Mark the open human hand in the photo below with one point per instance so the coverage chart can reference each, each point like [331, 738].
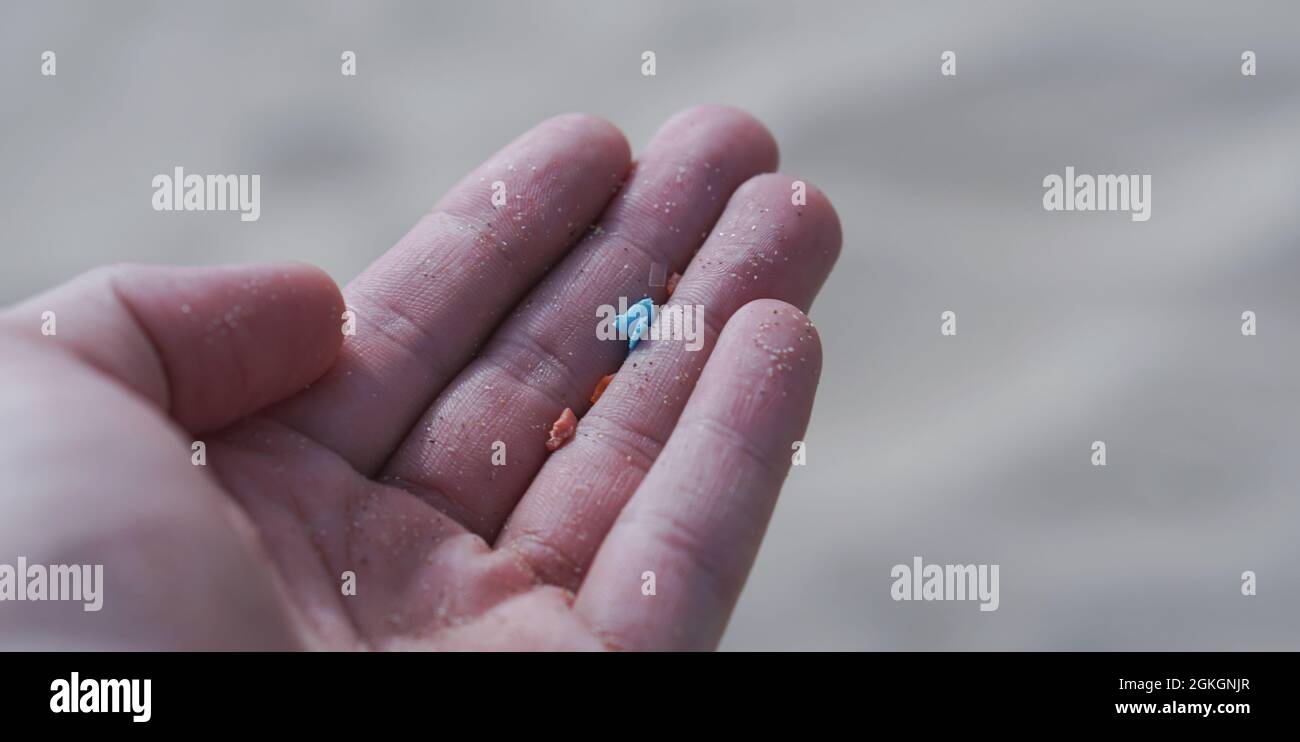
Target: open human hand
[392, 488]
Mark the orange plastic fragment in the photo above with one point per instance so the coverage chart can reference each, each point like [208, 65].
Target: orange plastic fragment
[562, 430]
[600, 387]
[671, 286]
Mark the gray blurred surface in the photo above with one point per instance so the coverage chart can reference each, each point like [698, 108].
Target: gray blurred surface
[1072, 327]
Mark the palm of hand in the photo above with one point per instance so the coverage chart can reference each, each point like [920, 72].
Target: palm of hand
[391, 489]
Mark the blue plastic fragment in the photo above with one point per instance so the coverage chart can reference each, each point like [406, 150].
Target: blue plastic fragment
[636, 322]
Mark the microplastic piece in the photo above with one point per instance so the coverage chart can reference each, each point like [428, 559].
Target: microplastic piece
[600, 387]
[636, 323]
[562, 430]
[658, 274]
[671, 286]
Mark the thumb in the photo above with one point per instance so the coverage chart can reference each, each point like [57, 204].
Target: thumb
[206, 345]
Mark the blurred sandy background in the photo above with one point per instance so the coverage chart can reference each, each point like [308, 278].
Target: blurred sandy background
[1072, 327]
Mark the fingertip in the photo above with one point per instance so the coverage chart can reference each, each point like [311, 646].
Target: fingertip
[310, 278]
[773, 339]
[597, 130]
[801, 211]
[307, 318]
[819, 205]
[236, 338]
[716, 122]
[309, 286]
[791, 320]
[557, 175]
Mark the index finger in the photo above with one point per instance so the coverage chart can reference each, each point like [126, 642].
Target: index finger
[422, 309]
